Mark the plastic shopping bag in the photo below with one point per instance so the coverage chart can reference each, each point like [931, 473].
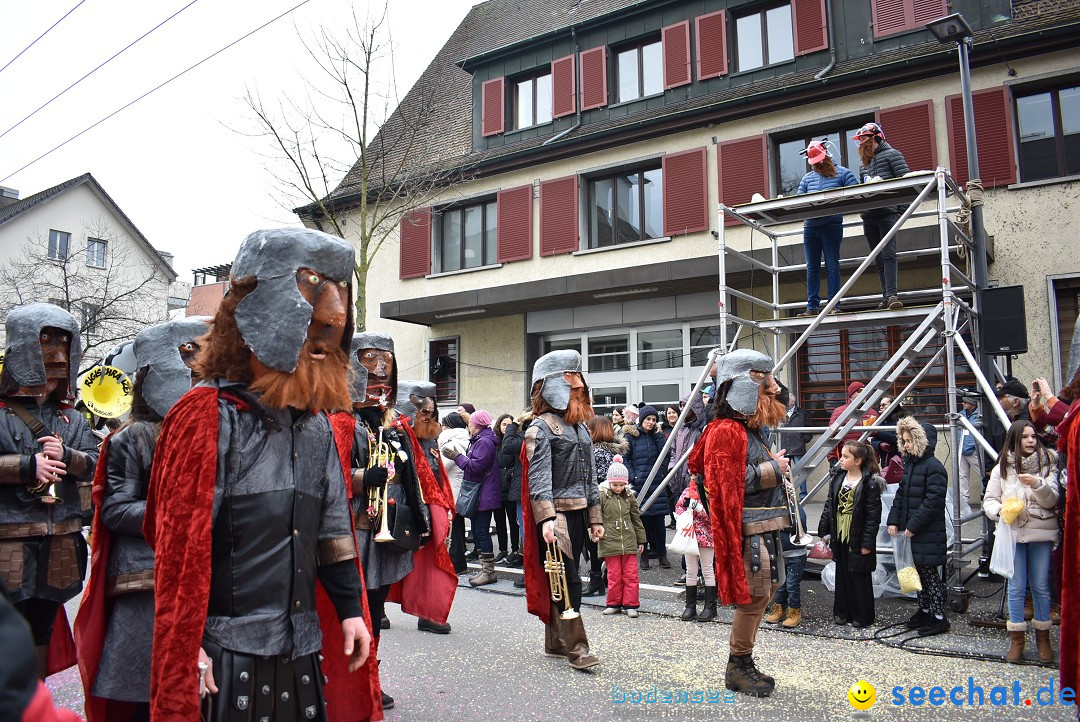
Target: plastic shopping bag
[906, 573]
[1004, 554]
[685, 539]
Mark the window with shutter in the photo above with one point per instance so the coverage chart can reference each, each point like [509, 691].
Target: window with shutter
[415, 243]
[559, 216]
[896, 16]
[711, 44]
[993, 137]
[741, 171]
[492, 107]
[515, 224]
[910, 129]
[676, 40]
[625, 206]
[594, 78]
[686, 200]
[810, 24]
[443, 369]
[564, 87]
[789, 163]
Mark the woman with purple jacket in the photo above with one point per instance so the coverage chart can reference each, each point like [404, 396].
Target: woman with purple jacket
[480, 464]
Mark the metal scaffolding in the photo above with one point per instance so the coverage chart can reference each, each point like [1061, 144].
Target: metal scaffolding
[939, 311]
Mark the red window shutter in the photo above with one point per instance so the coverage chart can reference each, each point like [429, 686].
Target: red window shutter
[415, 240]
[910, 129]
[711, 44]
[742, 171]
[559, 216]
[923, 11]
[563, 87]
[889, 16]
[993, 137]
[515, 224]
[686, 196]
[676, 43]
[492, 107]
[594, 78]
[810, 25]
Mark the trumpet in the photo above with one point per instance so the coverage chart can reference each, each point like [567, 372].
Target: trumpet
[799, 537]
[555, 567]
[379, 455]
[48, 492]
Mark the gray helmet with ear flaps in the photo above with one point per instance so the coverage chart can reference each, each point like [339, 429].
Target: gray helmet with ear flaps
[157, 350]
[736, 366]
[359, 374]
[550, 368]
[406, 390]
[274, 318]
[23, 359]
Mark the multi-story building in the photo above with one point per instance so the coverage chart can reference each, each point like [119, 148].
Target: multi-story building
[592, 141]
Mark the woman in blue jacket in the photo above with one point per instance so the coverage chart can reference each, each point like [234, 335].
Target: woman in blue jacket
[822, 234]
[646, 442]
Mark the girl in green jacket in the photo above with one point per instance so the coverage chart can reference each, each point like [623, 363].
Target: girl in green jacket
[623, 540]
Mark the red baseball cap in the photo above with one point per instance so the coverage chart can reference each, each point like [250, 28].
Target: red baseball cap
[816, 152]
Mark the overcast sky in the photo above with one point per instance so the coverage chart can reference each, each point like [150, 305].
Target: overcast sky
[171, 161]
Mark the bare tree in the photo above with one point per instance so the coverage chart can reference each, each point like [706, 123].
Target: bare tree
[112, 290]
[349, 153]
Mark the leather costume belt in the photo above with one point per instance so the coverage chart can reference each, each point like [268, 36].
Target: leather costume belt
[770, 542]
[128, 583]
[39, 528]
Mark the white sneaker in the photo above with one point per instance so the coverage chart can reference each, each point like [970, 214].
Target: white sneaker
[610, 610]
[632, 613]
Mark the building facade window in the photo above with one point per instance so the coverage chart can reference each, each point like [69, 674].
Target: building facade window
[532, 100]
[625, 207]
[1049, 129]
[789, 166]
[1066, 299]
[639, 70]
[58, 245]
[764, 37]
[465, 237]
[90, 314]
[95, 252]
[443, 371]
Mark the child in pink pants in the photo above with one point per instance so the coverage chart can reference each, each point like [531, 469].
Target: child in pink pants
[623, 540]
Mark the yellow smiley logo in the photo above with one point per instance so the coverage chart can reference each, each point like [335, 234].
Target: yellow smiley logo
[862, 695]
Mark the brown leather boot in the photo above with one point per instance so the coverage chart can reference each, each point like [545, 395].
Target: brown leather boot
[794, 616]
[487, 571]
[1042, 640]
[743, 676]
[572, 633]
[776, 613]
[553, 644]
[1017, 637]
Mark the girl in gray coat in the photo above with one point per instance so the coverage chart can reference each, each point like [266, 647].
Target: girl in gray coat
[880, 161]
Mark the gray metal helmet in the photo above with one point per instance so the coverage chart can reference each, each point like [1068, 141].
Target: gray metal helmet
[23, 359]
[736, 366]
[274, 318]
[407, 390]
[156, 349]
[549, 369]
[361, 341]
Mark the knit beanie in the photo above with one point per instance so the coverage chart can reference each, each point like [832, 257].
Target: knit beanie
[855, 386]
[647, 410]
[469, 409]
[617, 471]
[630, 415]
[480, 419]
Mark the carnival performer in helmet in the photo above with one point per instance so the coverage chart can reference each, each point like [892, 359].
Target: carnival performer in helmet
[560, 498]
[394, 526]
[748, 507]
[47, 457]
[248, 508]
[418, 414]
[115, 625]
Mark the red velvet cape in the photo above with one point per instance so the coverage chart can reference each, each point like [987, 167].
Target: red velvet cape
[1069, 644]
[92, 619]
[537, 588]
[177, 526]
[428, 590]
[720, 455]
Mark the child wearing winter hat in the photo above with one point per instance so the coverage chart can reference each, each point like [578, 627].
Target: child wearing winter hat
[623, 540]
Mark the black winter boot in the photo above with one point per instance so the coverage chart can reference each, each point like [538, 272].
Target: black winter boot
[708, 612]
[596, 587]
[743, 676]
[690, 613]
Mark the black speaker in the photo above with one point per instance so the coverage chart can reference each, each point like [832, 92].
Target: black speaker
[1003, 324]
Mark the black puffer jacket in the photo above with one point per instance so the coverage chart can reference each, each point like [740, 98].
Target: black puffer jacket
[887, 163]
[864, 521]
[510, 461]
[645, 449]
[920, 499]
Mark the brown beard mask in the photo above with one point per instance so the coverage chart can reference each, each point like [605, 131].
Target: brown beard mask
[315, 385]
[580, 409]
[866, 152]
[426, 428]
[770, 412]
